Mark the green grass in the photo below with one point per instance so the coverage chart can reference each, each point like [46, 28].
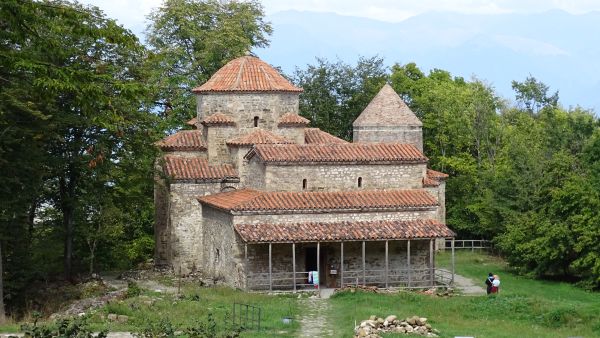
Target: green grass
[155, 310]
[524, 308]
[194, 308]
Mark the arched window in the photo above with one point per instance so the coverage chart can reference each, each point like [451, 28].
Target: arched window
[360, 182]
[304, 183]
[256, 121]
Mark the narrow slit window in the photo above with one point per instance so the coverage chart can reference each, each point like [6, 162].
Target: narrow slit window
[360, 182]
[256, 121]
[304, 184]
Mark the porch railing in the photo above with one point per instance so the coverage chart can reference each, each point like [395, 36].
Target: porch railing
[396, 278]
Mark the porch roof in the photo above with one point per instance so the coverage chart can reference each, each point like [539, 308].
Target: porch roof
[248, 200]
[342, 231]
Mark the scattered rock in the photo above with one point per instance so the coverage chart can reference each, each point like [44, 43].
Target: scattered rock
[112, 317]
[375, 326]
[122, 318]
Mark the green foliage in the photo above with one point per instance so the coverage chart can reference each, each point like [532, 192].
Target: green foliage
[190, 40]
[64, 328]
[336, 93]
[133, 289]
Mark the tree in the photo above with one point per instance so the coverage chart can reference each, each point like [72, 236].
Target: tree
[190, 40]
[534, 95]
[81, 82]
[336, 93]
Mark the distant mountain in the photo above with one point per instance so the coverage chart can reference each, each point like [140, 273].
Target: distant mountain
[558, 48]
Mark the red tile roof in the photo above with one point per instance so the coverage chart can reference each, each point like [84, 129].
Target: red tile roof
[218, 118]
[193, 122]
[337, 153]
[196, 168]
[292, 120]
[342, 231]
[436, 174]
[317, 136]
[258, 136]
[247, 74]
[253, 200]
[183, 140]
[429, 182]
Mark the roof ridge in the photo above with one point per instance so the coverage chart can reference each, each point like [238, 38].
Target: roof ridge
[238, 79]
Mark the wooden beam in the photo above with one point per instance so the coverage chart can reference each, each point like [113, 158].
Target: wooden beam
[408, 260]
[247, 265]
[452, 246]
[294, 264]
[341, 264]
[319, 267]
[270, 267]
[364, 264]
[387, 265]
[431, 262]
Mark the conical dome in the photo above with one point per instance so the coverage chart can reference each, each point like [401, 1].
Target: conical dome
[247, 74]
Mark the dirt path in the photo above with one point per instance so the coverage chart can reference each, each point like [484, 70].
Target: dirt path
[313, 317]
[467, 286]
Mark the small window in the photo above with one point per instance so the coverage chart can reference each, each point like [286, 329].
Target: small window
[360, 182]
[304, 184]
[256, 121]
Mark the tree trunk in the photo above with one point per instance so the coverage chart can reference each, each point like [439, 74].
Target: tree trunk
[67, 204]
[68, 249]
[2, 313]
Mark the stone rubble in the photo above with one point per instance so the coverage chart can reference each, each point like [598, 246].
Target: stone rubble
[375, 326]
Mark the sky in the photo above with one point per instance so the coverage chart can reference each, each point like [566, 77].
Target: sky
[131, 13]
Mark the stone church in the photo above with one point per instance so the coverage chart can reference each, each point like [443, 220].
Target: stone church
[254, 197]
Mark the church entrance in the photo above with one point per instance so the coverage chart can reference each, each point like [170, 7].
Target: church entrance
[310, 262]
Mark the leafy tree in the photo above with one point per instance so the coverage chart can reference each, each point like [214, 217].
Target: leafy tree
[190, 40]
[533, 95]
[81, 87]
[336, 93]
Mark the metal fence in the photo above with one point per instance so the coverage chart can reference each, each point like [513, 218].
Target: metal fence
[246, 316]
[472, 244]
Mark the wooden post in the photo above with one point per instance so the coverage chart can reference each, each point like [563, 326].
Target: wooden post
[270, 267]
[452, 245]
[319, 267]
[431, 262]
[408, 260]
[247, 267]
[294, 265]
[386, 264]
[364, 264]
[341, 264]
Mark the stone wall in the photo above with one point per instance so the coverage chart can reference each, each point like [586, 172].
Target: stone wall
[223, 251]
[190, 154]
[161, 217]
[258, 264]
[185, 224]
[343, 177]
[243, 107]
[292, 133]
[337, 216]
[217, 136]
[254, 174]
[400, 134]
